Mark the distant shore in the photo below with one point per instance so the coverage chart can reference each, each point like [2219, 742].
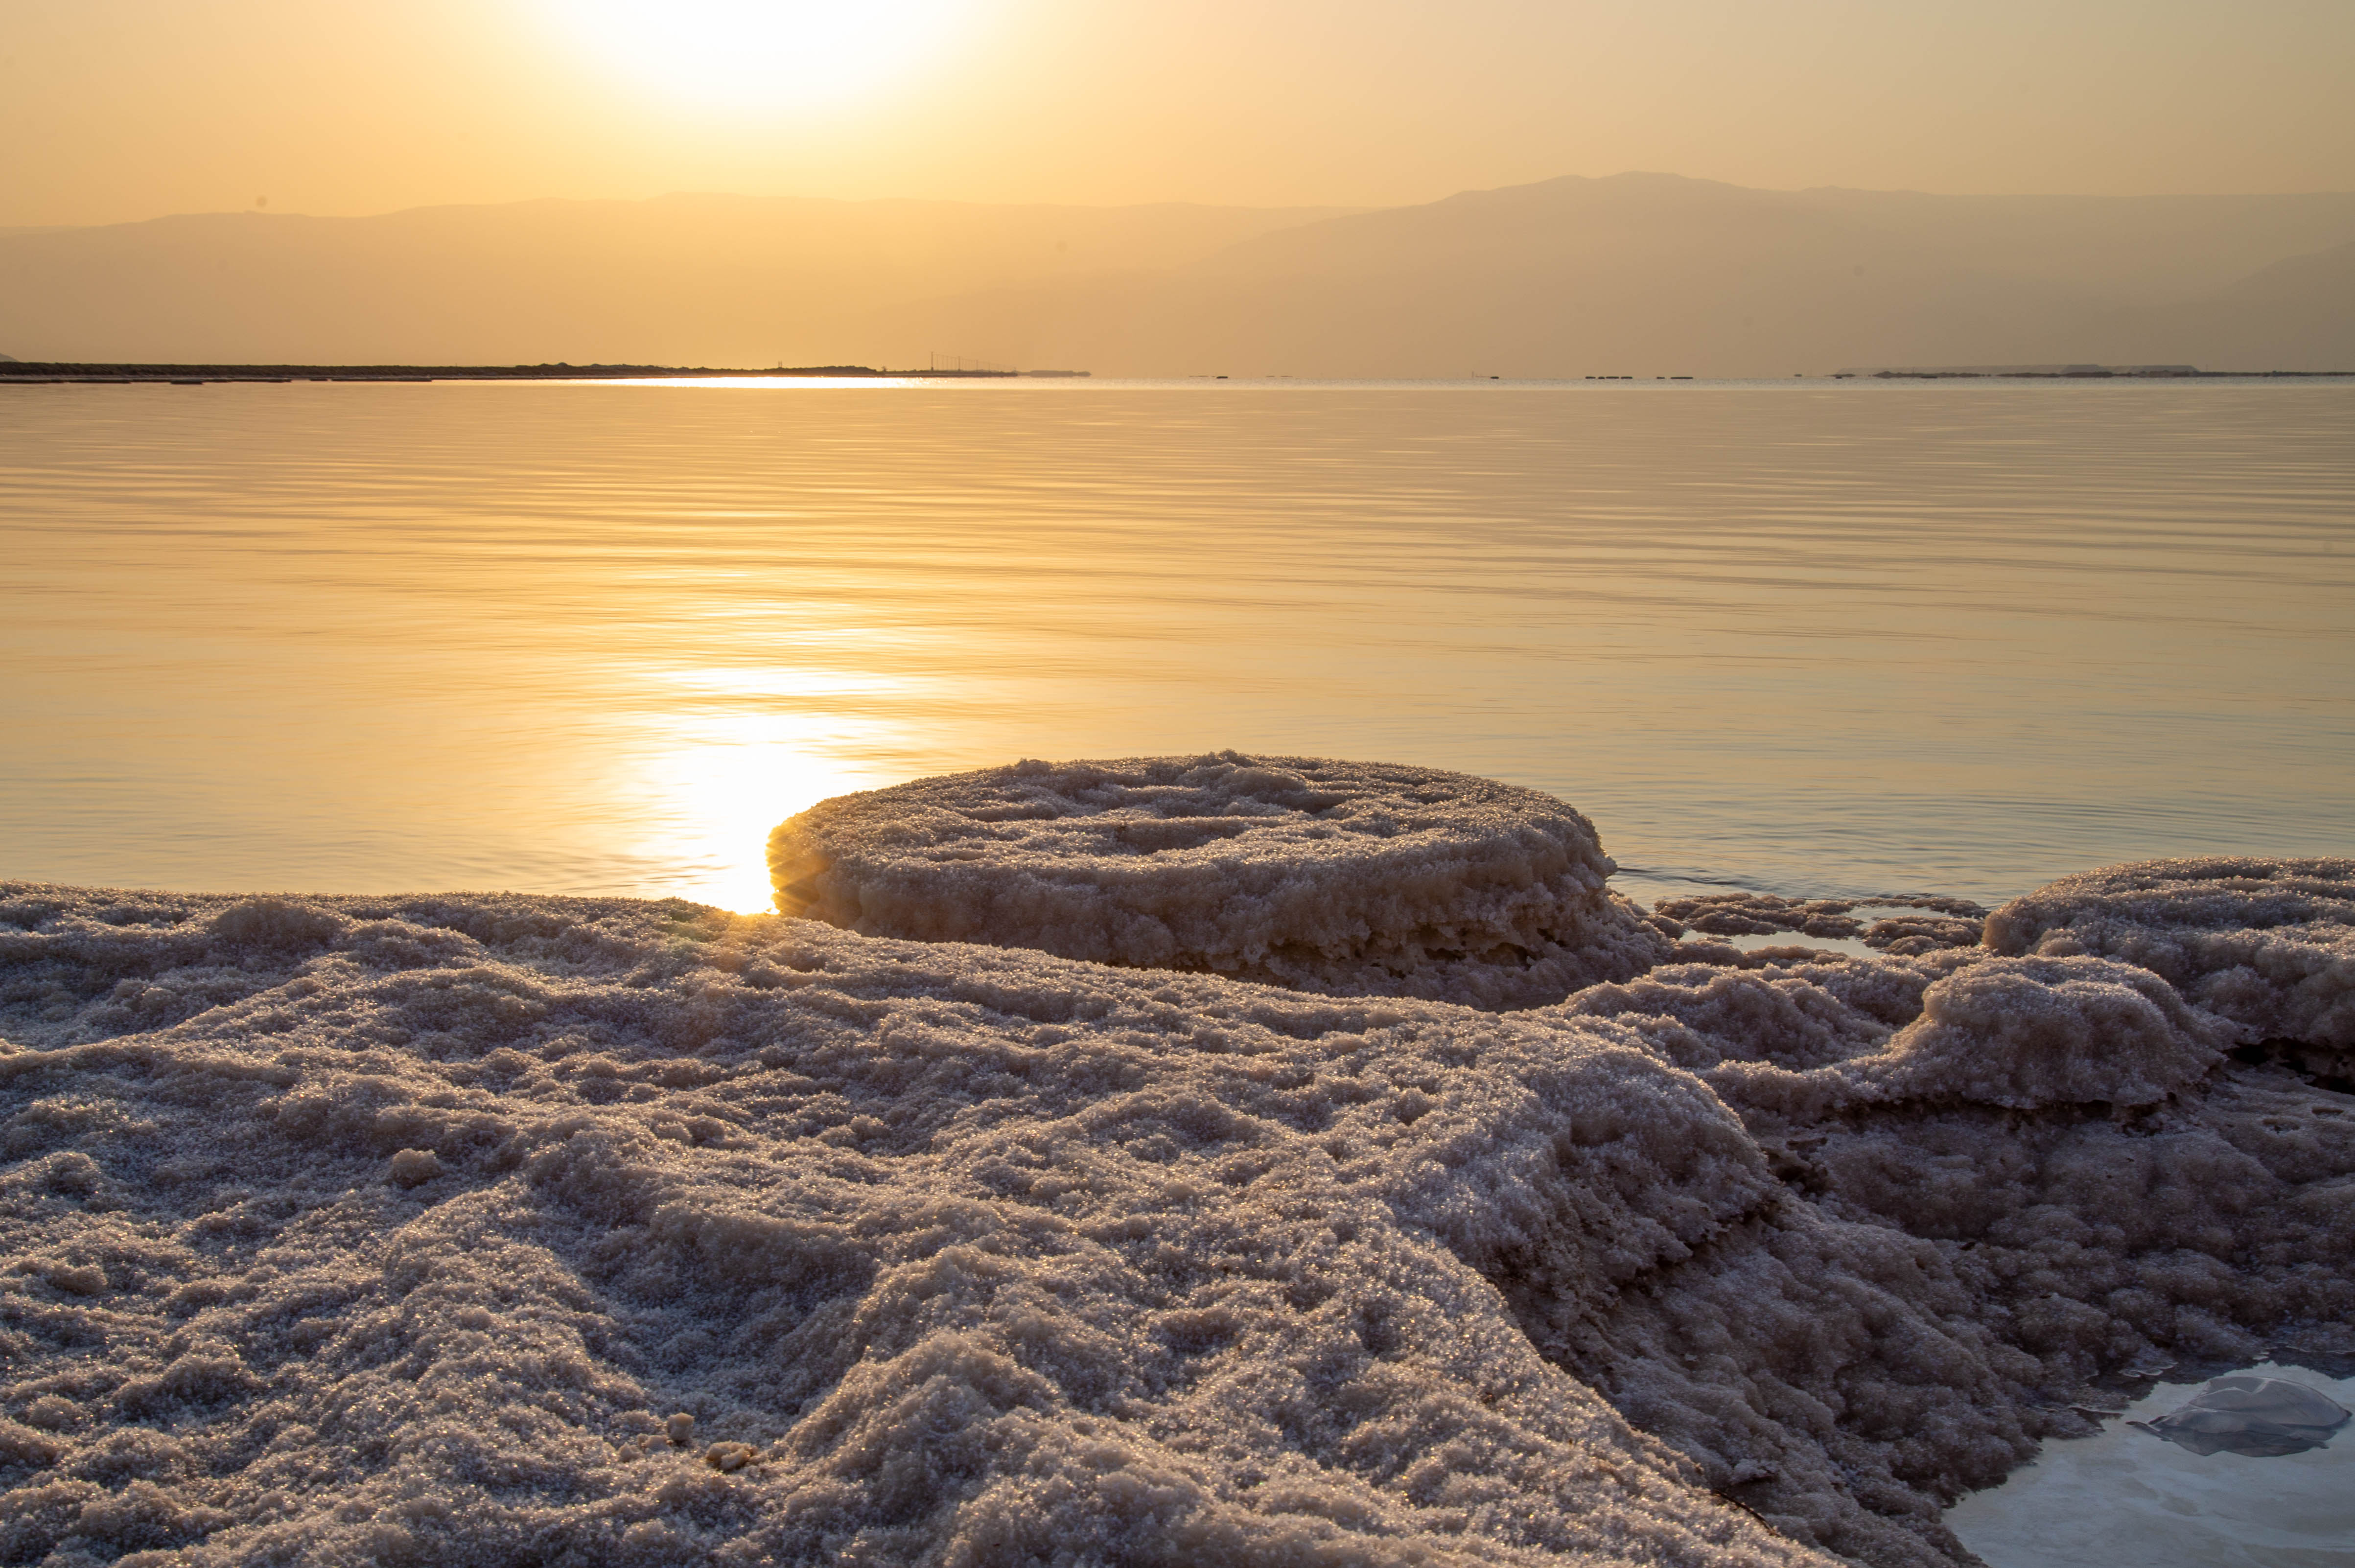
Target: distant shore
[194, 375]
[45, 374]
[2089, 373]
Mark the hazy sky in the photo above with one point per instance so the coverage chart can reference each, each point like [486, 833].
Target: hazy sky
[114, 110]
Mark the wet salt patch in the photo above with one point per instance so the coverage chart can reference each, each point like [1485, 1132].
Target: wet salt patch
[1753, 943]
[1872, 912]
[1752, 921]
[1864, 914]
[2129, 1497]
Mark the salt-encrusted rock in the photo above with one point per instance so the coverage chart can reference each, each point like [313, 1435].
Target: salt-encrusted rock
[21, 1446]
[1698, 1016]
[53, 1414]
[2262, 1417]
[2268, 944]
[2032, 1033]
[2022, 1033]
[415, 1167]
[1344, 878]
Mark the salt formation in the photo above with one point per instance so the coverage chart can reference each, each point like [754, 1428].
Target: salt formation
[482, 1230]
[2269, 944]
[2263, 1417]
[982, 1256]
[2018, 1174]
[1344, 878]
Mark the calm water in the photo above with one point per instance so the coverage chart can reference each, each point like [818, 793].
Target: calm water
[2126, 1499]
[1808, 636]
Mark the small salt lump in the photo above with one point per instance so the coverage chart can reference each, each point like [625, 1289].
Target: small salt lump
[2263, 1417]
[415, 1167]
[2030, 1033]
[1345, 878]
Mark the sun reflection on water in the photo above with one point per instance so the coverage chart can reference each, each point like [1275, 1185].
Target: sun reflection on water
[745, 749]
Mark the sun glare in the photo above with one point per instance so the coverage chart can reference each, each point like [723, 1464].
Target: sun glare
[762, 55]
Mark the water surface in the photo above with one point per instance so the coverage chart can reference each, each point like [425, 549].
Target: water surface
[2126, 1499]
[1808, 637]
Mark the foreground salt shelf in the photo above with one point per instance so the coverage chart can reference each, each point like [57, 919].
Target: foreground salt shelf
[482, 1229]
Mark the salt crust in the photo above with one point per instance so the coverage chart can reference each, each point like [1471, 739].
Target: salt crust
[1343, 878]
[2269, 944]
[491, 1230]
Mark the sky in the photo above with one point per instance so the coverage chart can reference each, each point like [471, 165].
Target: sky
[113, 111]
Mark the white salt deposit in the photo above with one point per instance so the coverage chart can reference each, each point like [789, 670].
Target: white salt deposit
[987, 1256]
[2269, 944]
[487, 1229]
[1344, 878]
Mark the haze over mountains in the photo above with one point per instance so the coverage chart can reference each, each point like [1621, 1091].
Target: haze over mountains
[1640, 274]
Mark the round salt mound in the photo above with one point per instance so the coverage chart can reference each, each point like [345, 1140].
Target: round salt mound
[1345, 878]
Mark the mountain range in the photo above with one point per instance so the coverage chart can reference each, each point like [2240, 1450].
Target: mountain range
[1635, 274]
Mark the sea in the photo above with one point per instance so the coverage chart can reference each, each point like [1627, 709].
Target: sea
[1811, 637]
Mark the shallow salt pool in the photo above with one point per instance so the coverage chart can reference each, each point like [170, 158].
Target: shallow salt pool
[2129, 1497]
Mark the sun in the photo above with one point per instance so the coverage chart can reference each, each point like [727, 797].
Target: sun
[762, 55]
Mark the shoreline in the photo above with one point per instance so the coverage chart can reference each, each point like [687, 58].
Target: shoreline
[53, 373]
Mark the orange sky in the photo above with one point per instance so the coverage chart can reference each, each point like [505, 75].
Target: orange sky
[116, 110]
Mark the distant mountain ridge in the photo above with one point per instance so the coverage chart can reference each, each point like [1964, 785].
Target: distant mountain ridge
[683, 279]
[1653, 274]
[1630, 274]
